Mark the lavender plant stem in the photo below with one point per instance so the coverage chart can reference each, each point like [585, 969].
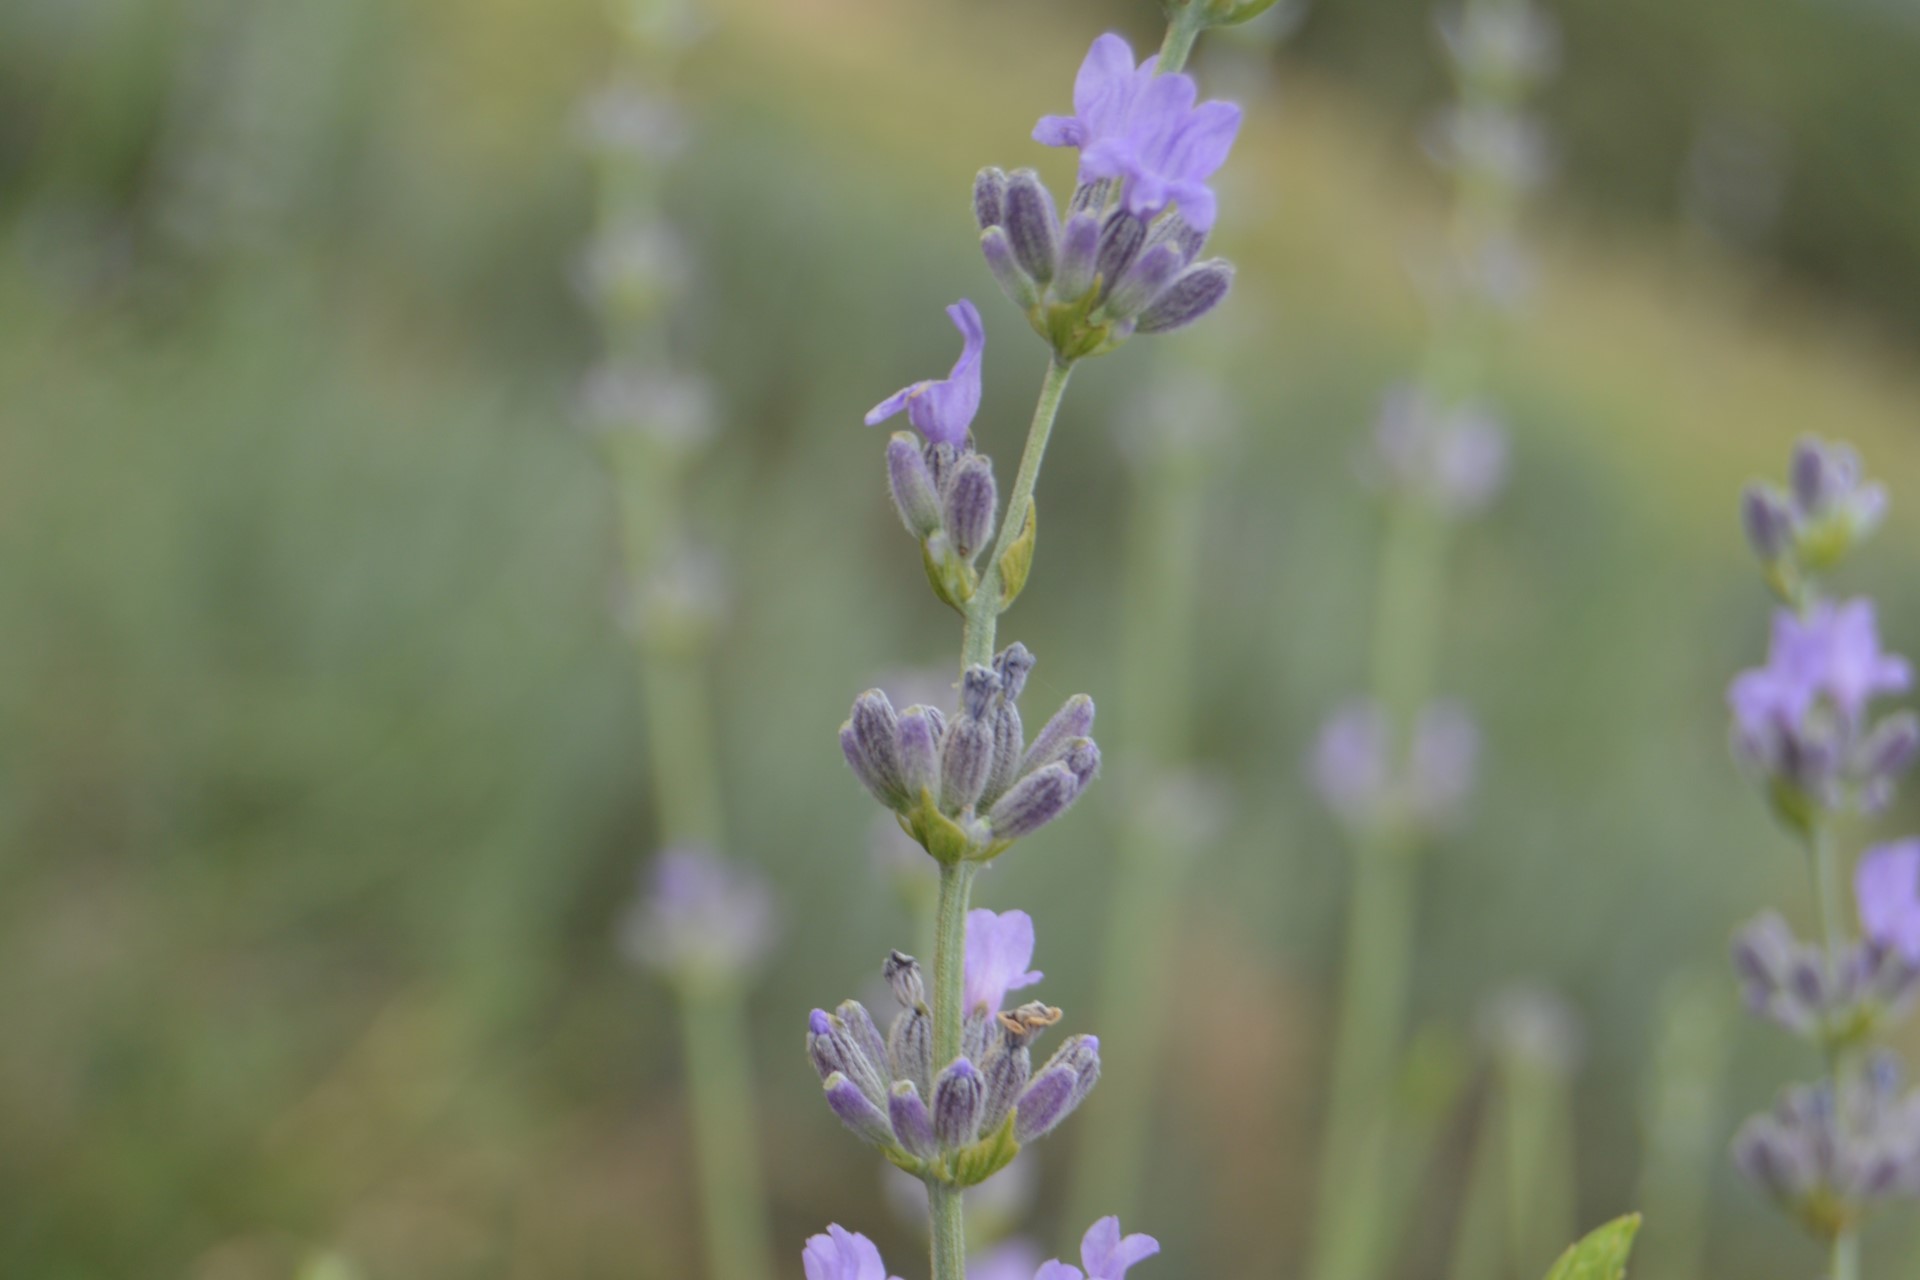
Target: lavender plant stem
[717, 1054]
[1824, 863]
[1185, 28]
[948, 1229]
[983, 610]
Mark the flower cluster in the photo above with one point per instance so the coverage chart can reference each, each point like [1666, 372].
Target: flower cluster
[699, 917]
[1369, 786]
[968, 786]
[1105, 1254]
[1833, 1149]
[966, 1121]
[1123, 260]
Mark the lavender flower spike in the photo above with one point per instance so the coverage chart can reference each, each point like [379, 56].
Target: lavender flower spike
[700, 915]
[942, 410]
[1886, 886]
[842, 1255]
[1144, 130]
[999, 949]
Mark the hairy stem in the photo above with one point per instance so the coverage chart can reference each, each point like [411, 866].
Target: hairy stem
[726, 1163]
[949, 1232]
[983, 610]
[949, 968]
[1188, 22]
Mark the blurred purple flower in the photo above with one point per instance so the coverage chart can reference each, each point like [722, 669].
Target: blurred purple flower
[700, 915]
[942, 410]
[1886, 886]
[1350, 768]
[1104, 1252]
[1445, 760]
[1457, 458]
[1012, 1260]
[1356, 775]
[842, 1255]
[1145, 130]
[1833, 653]
[999, 949]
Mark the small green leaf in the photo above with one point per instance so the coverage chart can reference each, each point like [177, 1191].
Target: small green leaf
[938, 834]
[1602, 1255]
[951, 578]
[975, 1164]
[1018, 561]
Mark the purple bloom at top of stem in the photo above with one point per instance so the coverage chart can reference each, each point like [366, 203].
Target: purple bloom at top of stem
[999, 949]
[1886, 887]
[942, 409]
[1104, 1252]
[842, 1255]
[699, 914]
[1145, 130]
[1833, 654]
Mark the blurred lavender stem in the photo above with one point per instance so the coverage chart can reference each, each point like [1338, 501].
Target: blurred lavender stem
[1682, 1126]
[1823, 864]
[1156, 653]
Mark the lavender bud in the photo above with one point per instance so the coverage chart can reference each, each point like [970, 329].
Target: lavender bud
[1083, 760]
[1034, 801]
[1012, 665]
[957, 1098]
[1890, 749]
[911, 482]
[1813, 476]
[916, 739]
[1044, 1103]
[912, 1125]
[966, 758]
[866, 1037]
[1197, 291]
[869, 740]
[910, 1048]
[1074, 720]
[1768, 520]
[990, 197]
[1142, 282]
[997, 248]
[1120, 242]
[831, 1044]
[902, 973]
[820, 1046]
[1009, 1066]
[1009, 741]
[970, 501]
[1082, 1053]
[1079, 245]
[1032, 225]
[976, 1034]
[978, 685]
[857, 1111]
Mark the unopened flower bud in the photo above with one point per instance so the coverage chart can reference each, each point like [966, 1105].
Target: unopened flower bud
[1009, 1066]
[1120, 241]
[1073, 721]
[1033, 227]
[911, 481]
[978, 685]
[1083, 760]
[1142, 282]
[910, 1047]
[966, 760]
[1820, 474]
[957, 1099]
[870, 742]
[1012, 665]
[1768, 521]
[990, 197]
[912, 1124]
[1033, 802]
[1197, 291]
[997, 248]
[1008, 746]
[857, 1111]
[971, 498]
[1044, 1103]
[1079, 246]
[917, 740]
[860, 1029]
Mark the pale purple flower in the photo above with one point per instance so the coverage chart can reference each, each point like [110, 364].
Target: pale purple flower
[1104, 1252]
[999, 949]
[943, 409]
[842, 1255]
[1886, 886]
[1145, 130]
[1356, 773]
[1833, 654]
[1012, 1260]
[699, 915]
[1456, 457]
[1350, 765]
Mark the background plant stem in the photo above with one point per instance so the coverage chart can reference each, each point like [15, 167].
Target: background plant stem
[720, 1091]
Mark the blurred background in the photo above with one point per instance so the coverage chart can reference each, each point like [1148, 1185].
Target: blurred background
[322, 770]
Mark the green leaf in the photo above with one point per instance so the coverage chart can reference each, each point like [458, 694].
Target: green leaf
[1018, 560]
[983, 1159]
[1602, 1255]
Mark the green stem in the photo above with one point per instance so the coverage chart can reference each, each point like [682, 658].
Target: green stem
[1824, 863]
[1187, 24]
[725, 1159]
[1156, 655]
[949, 969]
[1846, 1255]
[686, 785]
[983, 610]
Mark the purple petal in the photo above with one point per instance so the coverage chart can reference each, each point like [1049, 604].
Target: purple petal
[1104, 87]
[999, 949]
[1053, 1270]
[1061, 131]
[842, 1255]
[1203, 142]
[1886, 886]
[1107, 1255]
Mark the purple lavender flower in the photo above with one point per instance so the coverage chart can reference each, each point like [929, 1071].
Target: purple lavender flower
[1355, 772]
[999, 949]
[1350, 768]
[1013, 1260]
[1832, 654]
[1144, 130]
[699, 915]
[1456, 459]
[842, 1255]
[1886, 886]
[1104, 1252]
[943, 409]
